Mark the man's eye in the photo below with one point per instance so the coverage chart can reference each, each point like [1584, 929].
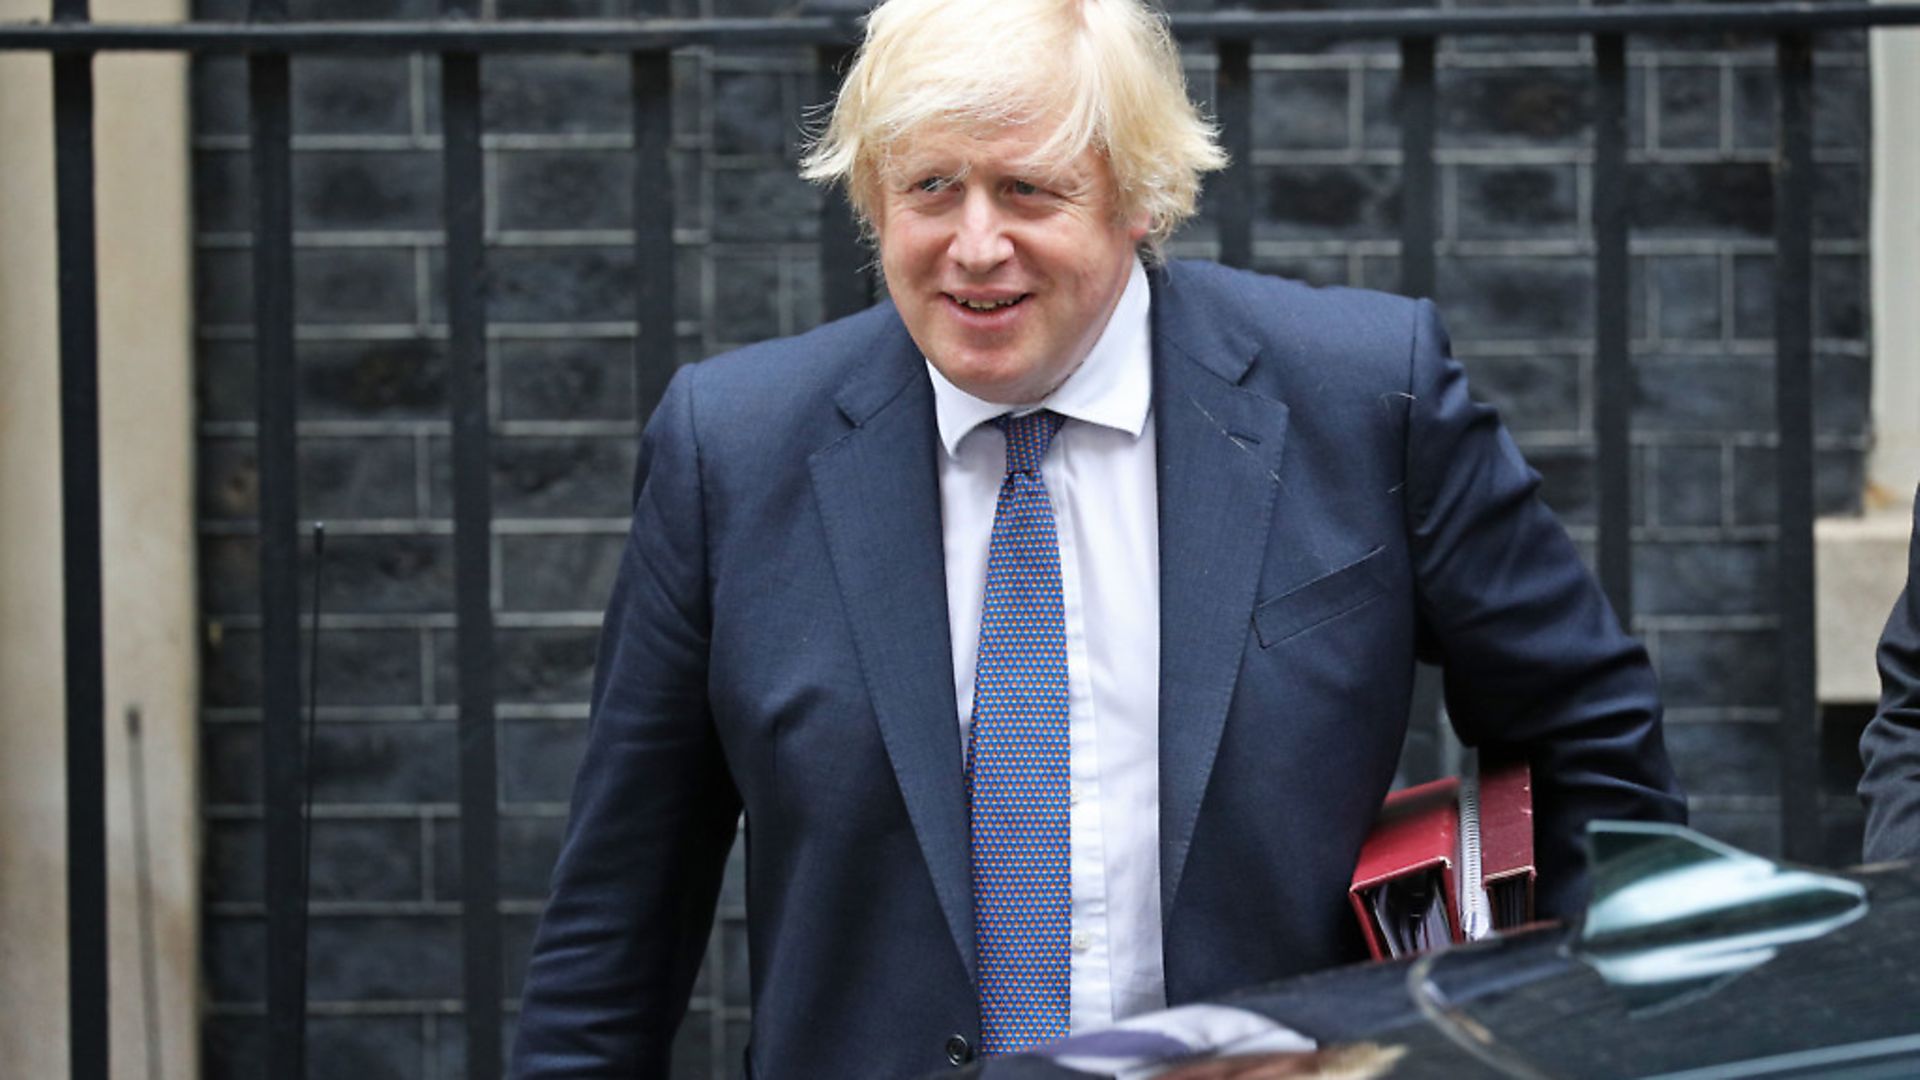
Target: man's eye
[1022, 187]
[933, 185]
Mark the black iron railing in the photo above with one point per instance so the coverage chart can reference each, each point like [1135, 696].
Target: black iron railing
[461, 42]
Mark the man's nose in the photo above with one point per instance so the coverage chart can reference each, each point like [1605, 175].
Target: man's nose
[980, 240]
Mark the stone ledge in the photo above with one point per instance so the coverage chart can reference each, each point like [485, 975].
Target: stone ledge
[1860, 565]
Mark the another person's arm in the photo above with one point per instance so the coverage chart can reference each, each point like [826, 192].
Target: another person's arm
[654, 807]
[1890, 747]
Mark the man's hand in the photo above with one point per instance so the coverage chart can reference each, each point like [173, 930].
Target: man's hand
[1360, 1061]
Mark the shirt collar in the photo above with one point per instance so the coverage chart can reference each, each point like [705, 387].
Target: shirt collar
[1112, 387]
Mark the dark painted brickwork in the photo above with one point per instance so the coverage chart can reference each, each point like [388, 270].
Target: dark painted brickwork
[1516, 279]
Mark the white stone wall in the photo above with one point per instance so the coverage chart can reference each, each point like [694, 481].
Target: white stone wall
[146, 395]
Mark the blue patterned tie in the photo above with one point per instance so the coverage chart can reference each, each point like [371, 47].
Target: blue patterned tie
[1017, 760]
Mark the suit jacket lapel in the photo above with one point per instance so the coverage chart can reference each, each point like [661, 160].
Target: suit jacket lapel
[878, 492]
[1218, 473]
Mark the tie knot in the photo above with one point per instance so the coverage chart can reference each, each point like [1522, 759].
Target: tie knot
[1028, 437]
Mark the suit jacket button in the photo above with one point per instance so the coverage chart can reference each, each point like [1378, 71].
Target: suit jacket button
[959, 1051]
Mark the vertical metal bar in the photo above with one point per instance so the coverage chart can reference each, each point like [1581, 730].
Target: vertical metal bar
[1612, 368]
[80, 550]
[653, 252]
[473, 555]
[1234, 192]
[282, 747]
[1418, 217]
[1418, 210]
[846, 278]
[1793, 401]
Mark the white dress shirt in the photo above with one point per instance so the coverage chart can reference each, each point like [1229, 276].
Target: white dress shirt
[1099, 473]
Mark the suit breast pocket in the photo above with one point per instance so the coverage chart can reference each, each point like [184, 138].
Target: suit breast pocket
[1326, 597]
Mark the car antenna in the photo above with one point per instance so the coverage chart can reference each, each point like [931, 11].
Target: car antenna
[306, 778]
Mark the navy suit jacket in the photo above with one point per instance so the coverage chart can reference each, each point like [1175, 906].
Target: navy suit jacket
[1890, 747]
[1332, 505]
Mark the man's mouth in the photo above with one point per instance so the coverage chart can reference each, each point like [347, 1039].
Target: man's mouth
[982, 304]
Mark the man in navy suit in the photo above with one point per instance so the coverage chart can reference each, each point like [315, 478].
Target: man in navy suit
[1053, 623]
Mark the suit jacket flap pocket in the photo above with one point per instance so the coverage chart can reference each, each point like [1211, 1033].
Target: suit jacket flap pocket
[1325, 597]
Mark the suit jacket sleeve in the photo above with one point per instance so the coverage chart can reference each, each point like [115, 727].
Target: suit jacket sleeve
[1535, 659]
[654, 808]
[1890, 747]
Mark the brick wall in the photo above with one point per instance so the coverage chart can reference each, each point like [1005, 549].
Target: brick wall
[1516, 280]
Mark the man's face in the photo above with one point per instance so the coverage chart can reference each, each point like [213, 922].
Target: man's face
[1004, 271]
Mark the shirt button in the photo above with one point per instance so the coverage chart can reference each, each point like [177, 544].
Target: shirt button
[1080, 941]
[1073, 796]
[959, 1051]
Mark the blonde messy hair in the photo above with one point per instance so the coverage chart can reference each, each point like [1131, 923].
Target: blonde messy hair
[1105, 73]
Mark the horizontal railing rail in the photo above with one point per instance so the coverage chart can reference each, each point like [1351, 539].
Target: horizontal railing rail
[463, 43]
[629, 35]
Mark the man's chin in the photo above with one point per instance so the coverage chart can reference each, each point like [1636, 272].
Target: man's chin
[1001, 380]
[1012, 395]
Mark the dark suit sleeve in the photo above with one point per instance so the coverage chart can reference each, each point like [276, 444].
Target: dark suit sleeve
[654, 807]
[1534, 657]
[1890, 747]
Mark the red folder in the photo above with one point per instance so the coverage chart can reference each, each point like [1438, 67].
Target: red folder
[1506, 842]
[1440, 868]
